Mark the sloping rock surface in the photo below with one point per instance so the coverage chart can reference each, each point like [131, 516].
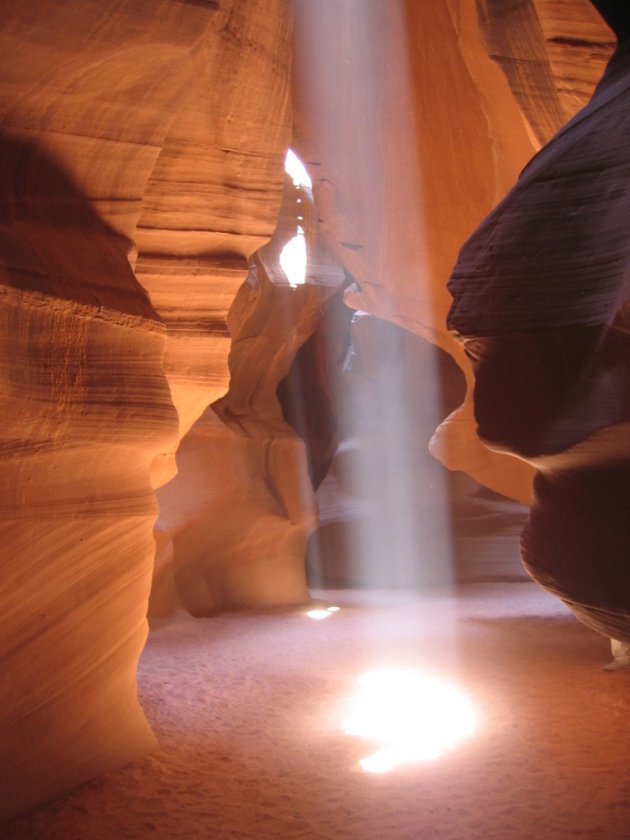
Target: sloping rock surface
[541, 295]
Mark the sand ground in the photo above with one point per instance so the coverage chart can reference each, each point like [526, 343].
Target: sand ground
[248, 710]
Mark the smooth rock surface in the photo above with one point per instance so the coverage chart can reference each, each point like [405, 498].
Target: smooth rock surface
[541, 303]
[133, 135]
[234, 522]
[442, 135]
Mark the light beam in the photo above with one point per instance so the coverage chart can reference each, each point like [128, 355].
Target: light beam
[293, 259]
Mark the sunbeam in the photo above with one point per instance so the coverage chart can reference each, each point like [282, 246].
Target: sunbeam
[396, 522]
[293, 259]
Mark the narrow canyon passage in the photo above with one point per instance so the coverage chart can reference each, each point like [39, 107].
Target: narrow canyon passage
[249, 707]
[220, 372]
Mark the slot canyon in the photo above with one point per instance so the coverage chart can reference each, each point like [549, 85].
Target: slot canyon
[315, 441]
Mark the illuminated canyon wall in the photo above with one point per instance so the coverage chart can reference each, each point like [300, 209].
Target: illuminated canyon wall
[234, 523]
[442, 114]
[142, 150]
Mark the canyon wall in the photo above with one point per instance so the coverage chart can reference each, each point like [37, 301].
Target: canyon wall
[541, 295]
[234, 523]
[442, 114]
[142, 149]
[146, 136]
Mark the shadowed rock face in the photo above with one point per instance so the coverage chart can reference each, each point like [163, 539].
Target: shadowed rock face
[390, 515]
[141, 149]
[540, 299]
[617, 15]
[85, 407]
[313, 393]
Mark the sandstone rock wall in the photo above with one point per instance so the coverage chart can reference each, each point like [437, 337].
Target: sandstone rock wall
[135, 134]
[540, 299]
[234, 523]
[213, 196]
[441, 134]
[390, 515]
[142, 148]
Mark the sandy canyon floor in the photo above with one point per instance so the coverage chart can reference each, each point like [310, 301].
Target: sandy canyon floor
[248, 709]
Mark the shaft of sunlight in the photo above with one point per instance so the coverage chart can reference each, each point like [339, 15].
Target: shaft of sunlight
[293, 259]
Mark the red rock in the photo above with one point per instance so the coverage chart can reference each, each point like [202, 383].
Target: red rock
[541, 296]
[142, 149]
[242, 506]
[146, 136]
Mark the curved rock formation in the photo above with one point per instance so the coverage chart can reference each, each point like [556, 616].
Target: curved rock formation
[313, 393]
[213, 195]
[142, 146]
[541, 294]
[136, 134]
[389, 513]
[384, 515]
[235, 521]
[441, 138]
[86, 407]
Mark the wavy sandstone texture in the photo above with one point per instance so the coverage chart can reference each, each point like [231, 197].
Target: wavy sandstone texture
[234, 523]
[441, 134]
[541, 300]
[142, 148]
[137, 134]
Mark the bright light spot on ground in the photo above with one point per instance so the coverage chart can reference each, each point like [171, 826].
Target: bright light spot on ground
[293, 259]
[411, 717]
[294, 167]
[318, 614]
[322, 612]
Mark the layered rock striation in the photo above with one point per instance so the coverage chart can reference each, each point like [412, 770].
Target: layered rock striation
[441, 134]
[142, 148]
[86, 407]
[234, 523]
[540, 299]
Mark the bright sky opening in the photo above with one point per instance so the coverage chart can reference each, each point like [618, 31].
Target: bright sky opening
[294, 167]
